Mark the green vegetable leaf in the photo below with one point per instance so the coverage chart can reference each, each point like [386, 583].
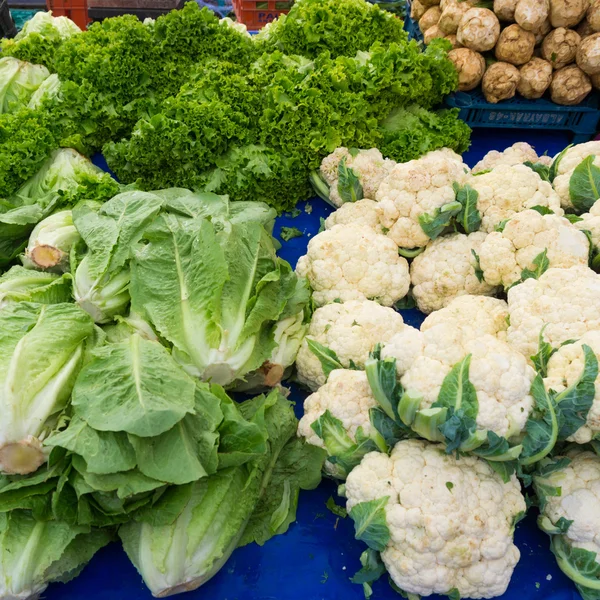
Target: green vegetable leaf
[540, 266]
[584, 185]
[372, 569]
[327, 357]
[541, 169]
[574, 403]
[406, 303]
[289, 233]
[543, 210]
[500, 227]
[573, 218]
[469, 217]
[337, 510]
[477, 267]
[370, 524]
[134, 386]
[578, 564]
[349, 186]
[383, 380]
[543, 356]
[556, 163]
[433, 224]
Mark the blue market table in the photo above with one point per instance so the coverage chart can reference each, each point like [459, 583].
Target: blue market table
[316, 557]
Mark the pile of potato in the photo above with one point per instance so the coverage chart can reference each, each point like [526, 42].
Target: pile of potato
[525, 46]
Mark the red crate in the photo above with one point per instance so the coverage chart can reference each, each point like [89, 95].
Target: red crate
[255, 14]
[76, 10]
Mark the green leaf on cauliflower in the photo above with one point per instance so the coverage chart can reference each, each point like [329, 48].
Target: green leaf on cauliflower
[327, 357]
[469, 217]
[553, 172]
[372, 569]
[584, 185]
[349, 187]
[477, 267]
[370, 524]
[433, 224]
[540, 266]
[544, 354]
[540, 168]
[579, 565]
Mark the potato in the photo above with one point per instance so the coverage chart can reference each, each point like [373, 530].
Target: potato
[500, 82]
[429, 18]
[432, 33]
[531, 14]
[536, 76]
[470, 66]
[478, 29]
[570, 85]
[588, 54]
[451, 16]
[567, 13]
[452, 39]
[584, 29]
[515, 45]
[505, 10]
[560, 47]
[593, 15]
[417, 10]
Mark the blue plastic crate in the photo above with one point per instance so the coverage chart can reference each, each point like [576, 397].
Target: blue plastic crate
[581, 120]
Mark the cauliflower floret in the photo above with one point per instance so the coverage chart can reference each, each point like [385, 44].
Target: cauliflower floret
[565, 303]
[516, 154]
[364, 212]
[451, 520]
[446, 269]
[501, 377]
[352, 262]
[570, 160]
[591, 222]
[405, 347]
[504, 255]
[347, 396]
[351, 330]
[578, 501]
[415, 188]
[369, 166]
[565, 368]
[507, 190]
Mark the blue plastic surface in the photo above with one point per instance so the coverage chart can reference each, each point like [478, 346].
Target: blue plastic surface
[316, 557]
[581, 119]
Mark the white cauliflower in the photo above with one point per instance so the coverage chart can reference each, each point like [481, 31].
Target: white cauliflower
[364, 212]
[447, 269]
[565, 368]
[466, 318]
[507, 190]
[352, 262]
[567, 164]
[516, 154]
[571, 492]
[501, 377]
[348, 397]
[351, 330]
[591, 222]
[504, 255]
[565, 303]
[415, 188]
[450, 520]
[368, 165]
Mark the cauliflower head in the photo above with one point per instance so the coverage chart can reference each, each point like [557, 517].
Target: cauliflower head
[504, 255]
[590, 221]
[451, 521]
[567, 164]
[578, 501]
[565, 303]
[516, 154]
[507, 190]
[352, 262]
[446, 269]
[501, 377]
[347, 396]
[417, 187]
[368, 165]
[564, 369]
[364, 212]
[351, 330]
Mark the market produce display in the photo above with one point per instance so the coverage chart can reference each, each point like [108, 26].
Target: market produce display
[438, 432]
[529, 47]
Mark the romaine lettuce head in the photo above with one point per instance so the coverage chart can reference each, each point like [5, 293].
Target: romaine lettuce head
[35, 553]
[235, 506]
[19, 284]
[18, 81]
[41, 352]
[220, 304]
[50, 243]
